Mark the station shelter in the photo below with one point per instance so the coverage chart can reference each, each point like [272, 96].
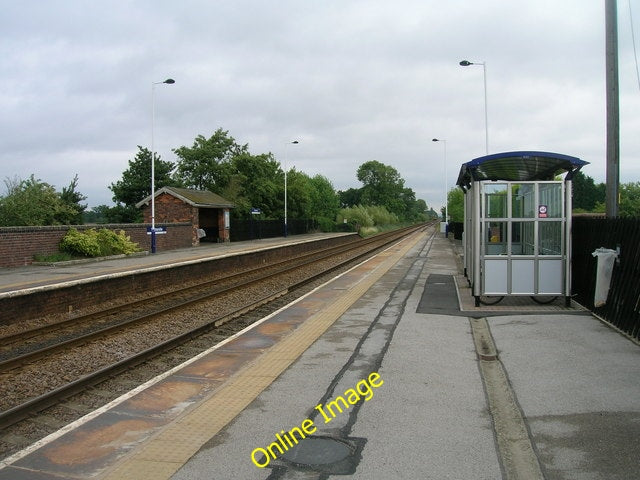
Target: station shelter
[517, 225]
[205, 210]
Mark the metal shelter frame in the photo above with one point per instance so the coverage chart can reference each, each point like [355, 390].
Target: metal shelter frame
[517, 232]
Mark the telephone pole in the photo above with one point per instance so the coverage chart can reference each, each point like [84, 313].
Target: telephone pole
[613, 109]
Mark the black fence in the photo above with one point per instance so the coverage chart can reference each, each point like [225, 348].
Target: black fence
[622, 308]
[257, 229]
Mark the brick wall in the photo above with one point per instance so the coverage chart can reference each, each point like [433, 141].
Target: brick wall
[170, 209]
[18, 245]
[78, 296]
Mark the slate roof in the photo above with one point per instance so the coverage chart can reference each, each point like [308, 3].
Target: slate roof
[196, 198]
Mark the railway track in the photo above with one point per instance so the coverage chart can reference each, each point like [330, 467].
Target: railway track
[239, 292]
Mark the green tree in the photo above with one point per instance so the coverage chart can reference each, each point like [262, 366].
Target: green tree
[255, 181]
[349, 197]
[586, 194]
[206, 165]
[382, 185]
[136, 179]
[299, 196]
[71, 197]
[135, 185]
[99, 214]
[455, 204]
[324, 202]
[33, 202]
[629, 200]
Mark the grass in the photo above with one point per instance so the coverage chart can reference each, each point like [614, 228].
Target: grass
[54, 257]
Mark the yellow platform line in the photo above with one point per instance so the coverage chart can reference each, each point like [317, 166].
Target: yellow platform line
[166, 452]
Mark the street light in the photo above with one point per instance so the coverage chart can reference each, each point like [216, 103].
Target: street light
[294, 142]
[446, 206]
[467, 63]
[168, 81]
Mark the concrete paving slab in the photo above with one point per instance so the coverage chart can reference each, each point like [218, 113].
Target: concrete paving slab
[576, 381]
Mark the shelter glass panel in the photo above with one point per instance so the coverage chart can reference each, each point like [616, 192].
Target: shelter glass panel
[523, 200]
[495, 200]
[496, 243]
[550, 200]
[523, 238]
[550, 238]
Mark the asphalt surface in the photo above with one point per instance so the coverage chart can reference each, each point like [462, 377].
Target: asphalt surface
[409, 382]
[559, 398]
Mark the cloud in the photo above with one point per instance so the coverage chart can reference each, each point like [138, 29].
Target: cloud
[352, 80]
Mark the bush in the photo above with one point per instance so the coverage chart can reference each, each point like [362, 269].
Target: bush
[381, 216]
[367, 216]
[326, 224]
[97, 243]
[357, 216]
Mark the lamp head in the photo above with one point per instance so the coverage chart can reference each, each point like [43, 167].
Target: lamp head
[465, 63]
[169, 81]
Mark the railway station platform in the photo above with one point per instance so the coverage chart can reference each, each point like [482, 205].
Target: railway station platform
[384, 372]
[55, 274]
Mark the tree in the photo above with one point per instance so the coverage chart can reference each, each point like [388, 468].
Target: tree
[136, 179]
[255, 181]
[33, 202]
[455, 204]
[99, 214]
[299, 196]
[629, 200]
[349, 197]
[207, 164]
[585, 193]
[71, 197]
[324, 200]
[135, 185]
[382, 185]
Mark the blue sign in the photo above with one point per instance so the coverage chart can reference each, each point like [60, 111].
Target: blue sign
[255, 211]
[157, 230]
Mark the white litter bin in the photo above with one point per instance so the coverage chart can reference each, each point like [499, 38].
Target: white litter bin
[606, 258]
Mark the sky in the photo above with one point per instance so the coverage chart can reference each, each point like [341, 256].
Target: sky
[350, 80]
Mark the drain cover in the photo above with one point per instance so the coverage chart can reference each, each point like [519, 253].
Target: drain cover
[323, 454]
[318, 451]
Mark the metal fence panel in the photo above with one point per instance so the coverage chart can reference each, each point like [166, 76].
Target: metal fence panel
[242, 230]
[623, 303]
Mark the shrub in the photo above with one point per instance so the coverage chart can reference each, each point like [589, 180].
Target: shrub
[326, 224]
[367, 216]
[381, 216]
[112, 243]
[357, 216]
[368, 231]
[93, 243]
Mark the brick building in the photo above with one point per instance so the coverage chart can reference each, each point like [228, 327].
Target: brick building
[206, 211]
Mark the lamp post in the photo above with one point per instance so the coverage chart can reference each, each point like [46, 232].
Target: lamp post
[467, 63]
[168, 81]
[294, 142]
[446, 202]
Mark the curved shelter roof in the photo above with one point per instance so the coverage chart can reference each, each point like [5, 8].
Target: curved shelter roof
[517, 166]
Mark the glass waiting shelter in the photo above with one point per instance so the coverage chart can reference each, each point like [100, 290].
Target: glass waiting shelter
[517, 229]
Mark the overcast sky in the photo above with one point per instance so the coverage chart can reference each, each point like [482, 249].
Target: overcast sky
[353, 81]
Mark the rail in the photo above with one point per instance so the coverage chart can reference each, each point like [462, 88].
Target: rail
[19, 412]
